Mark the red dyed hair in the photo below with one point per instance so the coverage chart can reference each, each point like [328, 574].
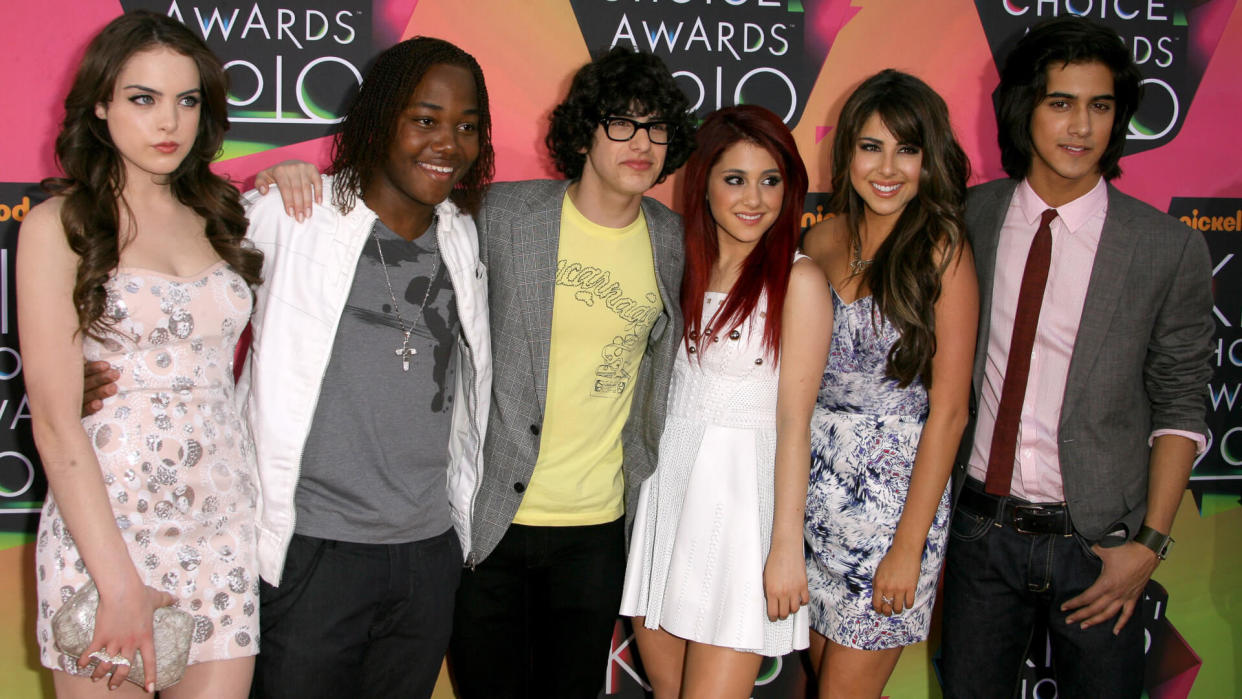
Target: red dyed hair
[767, 267]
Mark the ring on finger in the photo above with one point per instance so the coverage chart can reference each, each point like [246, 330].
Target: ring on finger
[104, 657]
[886, 600]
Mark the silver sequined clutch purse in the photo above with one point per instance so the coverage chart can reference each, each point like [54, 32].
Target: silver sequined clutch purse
[73, 625]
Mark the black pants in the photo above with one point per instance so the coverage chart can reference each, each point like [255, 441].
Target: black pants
[357, 620]
[535, 619]
[998, 581]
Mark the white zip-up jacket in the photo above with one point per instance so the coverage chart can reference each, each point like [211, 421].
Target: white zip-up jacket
[308, 269]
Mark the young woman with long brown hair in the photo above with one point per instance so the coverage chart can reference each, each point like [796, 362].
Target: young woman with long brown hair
[894, 398]
[138, 259]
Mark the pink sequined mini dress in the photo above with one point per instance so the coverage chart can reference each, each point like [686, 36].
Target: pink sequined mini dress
[177, 460]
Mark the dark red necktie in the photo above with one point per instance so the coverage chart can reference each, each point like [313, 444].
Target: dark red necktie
[1013, 392]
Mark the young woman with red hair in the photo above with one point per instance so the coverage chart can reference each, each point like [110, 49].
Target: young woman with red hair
[716, 578]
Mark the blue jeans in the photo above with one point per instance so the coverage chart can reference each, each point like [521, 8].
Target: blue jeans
[998, 582]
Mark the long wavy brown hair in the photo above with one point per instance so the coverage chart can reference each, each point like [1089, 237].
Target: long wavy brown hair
[94, 174]
[904, 277]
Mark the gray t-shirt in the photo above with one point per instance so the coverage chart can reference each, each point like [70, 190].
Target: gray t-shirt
[374, 464]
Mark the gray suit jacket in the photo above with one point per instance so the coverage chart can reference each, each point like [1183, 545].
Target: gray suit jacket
[519, 232]
[1140, 361]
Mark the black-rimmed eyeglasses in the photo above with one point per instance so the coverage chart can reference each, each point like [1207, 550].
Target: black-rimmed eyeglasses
[620, 128]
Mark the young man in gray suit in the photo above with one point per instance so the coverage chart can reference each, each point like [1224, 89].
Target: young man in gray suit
[584, 277]
[1092, 359]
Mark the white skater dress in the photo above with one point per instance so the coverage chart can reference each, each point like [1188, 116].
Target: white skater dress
[704, 520]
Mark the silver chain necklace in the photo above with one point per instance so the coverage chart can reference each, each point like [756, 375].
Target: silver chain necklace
[405, 351]
[858, 264]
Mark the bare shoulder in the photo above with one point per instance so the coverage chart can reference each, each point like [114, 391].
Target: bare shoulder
[42, 233]
[808, 287]
[825, 238]
[806, 274]
[827, 244]
[806, 319]
[963, 259]
[46, 265]
[44, 216]
[959, 286]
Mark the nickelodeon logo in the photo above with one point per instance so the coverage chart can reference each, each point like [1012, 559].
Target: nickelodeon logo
[16, 211]
[1211, 223]
[810, 218]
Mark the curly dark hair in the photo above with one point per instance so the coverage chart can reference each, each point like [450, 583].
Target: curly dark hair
[94, 173]
[904, 277]
[361, 146]
[621, 82]
[1024, 82]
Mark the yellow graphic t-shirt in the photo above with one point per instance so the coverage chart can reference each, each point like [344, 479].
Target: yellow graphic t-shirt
[605, 303]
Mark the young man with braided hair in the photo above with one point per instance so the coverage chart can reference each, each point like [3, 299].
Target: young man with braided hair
[583, 285]
[370, 345]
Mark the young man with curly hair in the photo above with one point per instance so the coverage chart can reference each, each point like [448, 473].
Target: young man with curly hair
[1094, 339]
[584, 277]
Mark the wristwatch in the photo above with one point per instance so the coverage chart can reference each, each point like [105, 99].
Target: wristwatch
[1154, 540]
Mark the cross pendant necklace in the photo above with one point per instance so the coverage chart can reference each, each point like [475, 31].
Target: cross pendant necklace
[404, 352]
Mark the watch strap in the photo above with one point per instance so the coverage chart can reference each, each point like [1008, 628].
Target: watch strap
[1154, 540]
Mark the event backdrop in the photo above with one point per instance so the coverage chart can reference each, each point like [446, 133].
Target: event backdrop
[293, 64]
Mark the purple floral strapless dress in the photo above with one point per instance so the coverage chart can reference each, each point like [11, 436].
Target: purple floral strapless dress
[864, 435]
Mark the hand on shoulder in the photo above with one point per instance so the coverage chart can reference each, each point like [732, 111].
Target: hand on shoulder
[299, 184]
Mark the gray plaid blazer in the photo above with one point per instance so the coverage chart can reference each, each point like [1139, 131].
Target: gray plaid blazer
[519, 232]
[1140, 361]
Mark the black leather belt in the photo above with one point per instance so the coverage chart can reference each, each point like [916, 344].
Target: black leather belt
[1026, 517]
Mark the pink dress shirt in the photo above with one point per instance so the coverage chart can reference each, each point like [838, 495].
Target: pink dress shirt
[1075, 237]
